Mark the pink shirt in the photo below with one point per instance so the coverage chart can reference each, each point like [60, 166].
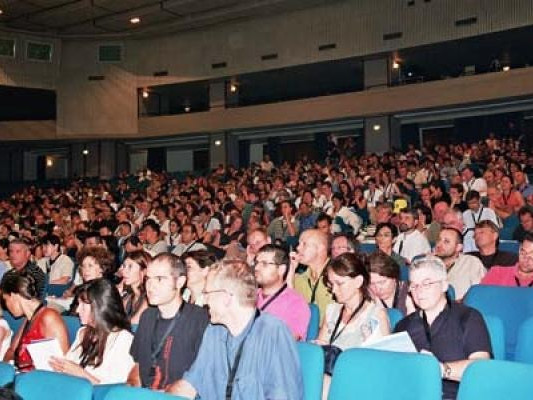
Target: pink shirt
[503, 276]
[291, 308]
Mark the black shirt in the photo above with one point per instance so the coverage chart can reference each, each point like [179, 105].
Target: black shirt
[502, 258]
[180, 347]
[456, 333]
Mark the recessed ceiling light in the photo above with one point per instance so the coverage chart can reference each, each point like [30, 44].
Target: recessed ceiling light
[135, 20]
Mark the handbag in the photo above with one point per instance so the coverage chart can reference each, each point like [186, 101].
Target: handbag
[331, 353]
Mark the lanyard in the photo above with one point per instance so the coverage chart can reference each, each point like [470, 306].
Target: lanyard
[519, 285]
[232, 369]
[315, 287]
[335, 335]
[158, 346]
[273, 297]
[478, 218]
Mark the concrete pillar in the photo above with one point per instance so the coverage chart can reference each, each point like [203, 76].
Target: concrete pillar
[217, 95]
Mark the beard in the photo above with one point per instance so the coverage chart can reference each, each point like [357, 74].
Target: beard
[404, 227]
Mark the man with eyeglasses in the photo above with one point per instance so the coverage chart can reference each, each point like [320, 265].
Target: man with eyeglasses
[274, 297]
[454, 333]
[170, 332]
[521, 274]
[245, 353]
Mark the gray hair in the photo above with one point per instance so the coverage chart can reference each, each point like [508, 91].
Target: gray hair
[431, 262]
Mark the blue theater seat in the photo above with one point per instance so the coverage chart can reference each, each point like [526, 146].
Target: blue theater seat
[7, 373]
[513, 305]
[314, 323]
[395, 316]
[123, 392]
[374, 374]
[45, 385]
[524, 342]
[496, 380]
[312, 363]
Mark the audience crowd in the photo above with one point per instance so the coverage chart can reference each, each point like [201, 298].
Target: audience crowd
[202, 286]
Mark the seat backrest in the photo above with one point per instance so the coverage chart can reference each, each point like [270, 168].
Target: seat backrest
[395, 316]
[497, 336]
[374, 374]
[367, 248]
[14, 323]
[7, 373]
[496, 380]
[45, 385]
[314, 323]
[511, 246]
[513, 305]
[133, 393]
[524, 342]
[312, 364]
[73, 325]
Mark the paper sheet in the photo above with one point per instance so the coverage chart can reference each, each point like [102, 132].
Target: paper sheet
[41, 351]
[400, 342]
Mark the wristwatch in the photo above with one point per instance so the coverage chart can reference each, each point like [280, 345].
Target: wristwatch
[446, 371]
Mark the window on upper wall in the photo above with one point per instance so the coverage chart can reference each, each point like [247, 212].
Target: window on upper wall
[39, 51]
[7, 47]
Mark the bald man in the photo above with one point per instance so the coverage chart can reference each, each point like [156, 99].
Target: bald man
[312, 251]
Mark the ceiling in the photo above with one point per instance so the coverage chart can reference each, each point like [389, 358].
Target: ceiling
[112, 17]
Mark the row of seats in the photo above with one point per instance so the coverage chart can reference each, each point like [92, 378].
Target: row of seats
[358, 371]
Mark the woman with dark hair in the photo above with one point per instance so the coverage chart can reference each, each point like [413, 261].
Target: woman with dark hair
[354, 317]
[20, 296]
[100, 352]
[94, 263]
[385, 284]
[133, 271]
[386, 233]
[197, 264]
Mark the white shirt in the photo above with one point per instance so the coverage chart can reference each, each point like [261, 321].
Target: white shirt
[470, 219]
[410, 245]
[477, 184]
[62, 266]
[372, 198]
[467, 271]
[117, 361]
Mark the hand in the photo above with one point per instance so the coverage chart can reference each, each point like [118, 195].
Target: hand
[295, 259]
[67, 367]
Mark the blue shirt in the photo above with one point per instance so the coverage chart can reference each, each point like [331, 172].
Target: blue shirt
[269, 367]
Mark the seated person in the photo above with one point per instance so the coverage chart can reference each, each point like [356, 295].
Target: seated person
[197, 264]
[385, 284]
[170, 332]
[264, 358]
[95, 263]
[438, 322]
[521, 274]
[133, 272]
[59, 267]
[100, 352]
[21, 297]
[354, 317]
[486, 237]
[274, 297]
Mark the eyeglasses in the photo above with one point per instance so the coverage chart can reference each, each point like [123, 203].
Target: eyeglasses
[413, 287]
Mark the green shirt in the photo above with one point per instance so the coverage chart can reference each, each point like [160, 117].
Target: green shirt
[305, 286]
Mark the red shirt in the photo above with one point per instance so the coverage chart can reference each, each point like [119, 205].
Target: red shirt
[505, 276]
